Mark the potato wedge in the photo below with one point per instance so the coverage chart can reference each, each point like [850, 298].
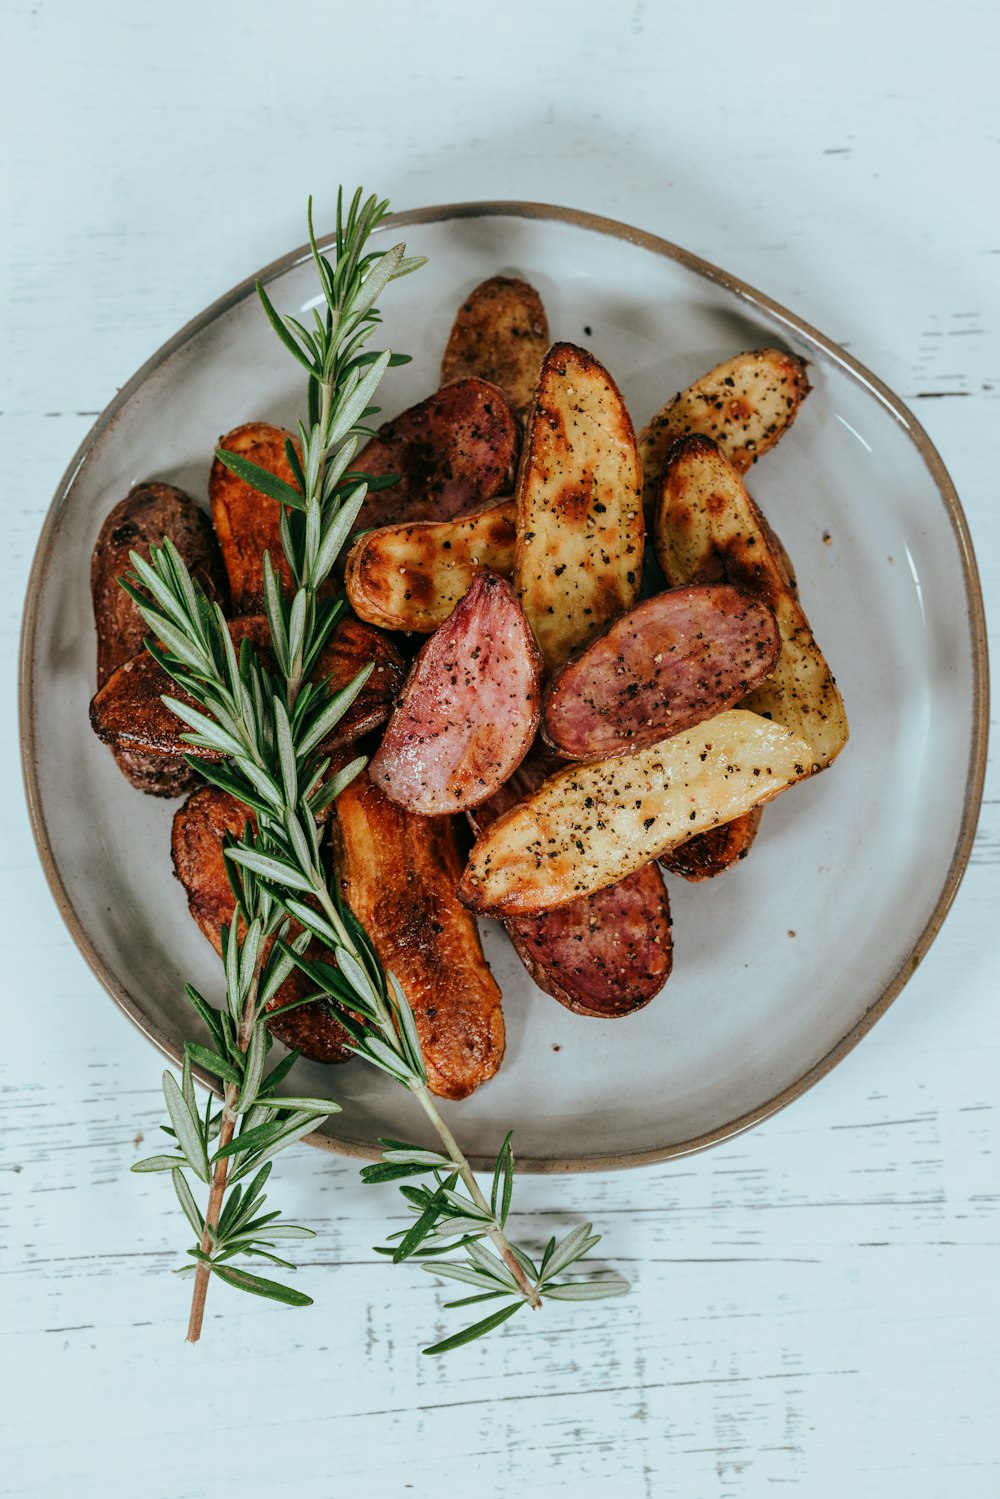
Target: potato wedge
[670, 662]
[246, 521]
[454, 453]
[500, 334]
[578, 562]
[128, 713]
[398, 874]
[199, 827]
[411, 577]
[708, 529]
[147, 514]
[469, 710]
[714, 852]
[604, 955]
[745, 404]
[591, 825]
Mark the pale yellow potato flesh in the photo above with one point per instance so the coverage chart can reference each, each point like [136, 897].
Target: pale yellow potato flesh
[590, 825]
[411, 577]
[578, 561]
[745, 404]
[708, 529]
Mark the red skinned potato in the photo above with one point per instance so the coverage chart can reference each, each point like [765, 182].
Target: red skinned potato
[501, 334]
[128, 713]
[605, 955]
[147, 514]
[200, 864]
[663, 667]
[246, 521]
[398, 874]
[454, 452]
[470, 708]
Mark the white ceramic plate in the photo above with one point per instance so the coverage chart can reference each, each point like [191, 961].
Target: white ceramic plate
[782, 964]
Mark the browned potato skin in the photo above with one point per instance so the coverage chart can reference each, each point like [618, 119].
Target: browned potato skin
[501, 334]
[709, 530]
[142, 519]
[128, 712]
[454, 453]
[411, 577]
[199, 863]
[578, 562]
[712, 853]
[745, 405]
[246, 521]
[398, 873]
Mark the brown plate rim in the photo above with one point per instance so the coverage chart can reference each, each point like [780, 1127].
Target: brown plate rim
[612, 228]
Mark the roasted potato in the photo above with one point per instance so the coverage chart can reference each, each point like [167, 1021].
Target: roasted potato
[578, 561]
[147, 514]
[604, 955]
[411, 577]
[128, 713]
[745, 404]
[470, 707]
[200, 864]
[715, 851]
[453, 453]
[398, 874]
[246, 521]
[708, 529]
[668, 663]
[591, 825]
[500, 334]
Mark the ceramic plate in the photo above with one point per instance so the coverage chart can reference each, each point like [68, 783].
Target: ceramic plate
[781, 965]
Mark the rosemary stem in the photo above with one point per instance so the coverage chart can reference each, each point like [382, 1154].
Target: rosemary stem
[496, 1233]
[220, 1176]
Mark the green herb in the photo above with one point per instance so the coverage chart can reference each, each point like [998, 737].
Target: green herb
[269, 728]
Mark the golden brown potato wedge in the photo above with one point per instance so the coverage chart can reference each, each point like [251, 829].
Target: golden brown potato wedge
[454, 453]
[590, 825]
[398, 873]
[604, 955]
[199, 862]
[128, 713]
[500, 334]
[147, 514]
[745, 404]
[708, 530]
[714, 852]
[246, 521]
[411, 577]
[578, 561]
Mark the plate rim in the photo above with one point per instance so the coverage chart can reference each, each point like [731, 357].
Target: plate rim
[616, 229]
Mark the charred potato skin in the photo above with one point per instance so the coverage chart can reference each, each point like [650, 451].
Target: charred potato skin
[199, 862]
[578, 561]
[708, 529]
[247, 522]
[714, 852]
[147, 514]
[500, 334]
[745, 404]
[129, 715]
[398, 873]
[411, 577]
[453, 452]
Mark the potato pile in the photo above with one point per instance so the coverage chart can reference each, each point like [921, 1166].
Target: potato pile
[589, 737]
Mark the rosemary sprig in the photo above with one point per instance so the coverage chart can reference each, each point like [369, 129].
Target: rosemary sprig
[270, 728]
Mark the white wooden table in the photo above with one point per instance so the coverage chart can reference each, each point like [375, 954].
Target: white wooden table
[817, 1305]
